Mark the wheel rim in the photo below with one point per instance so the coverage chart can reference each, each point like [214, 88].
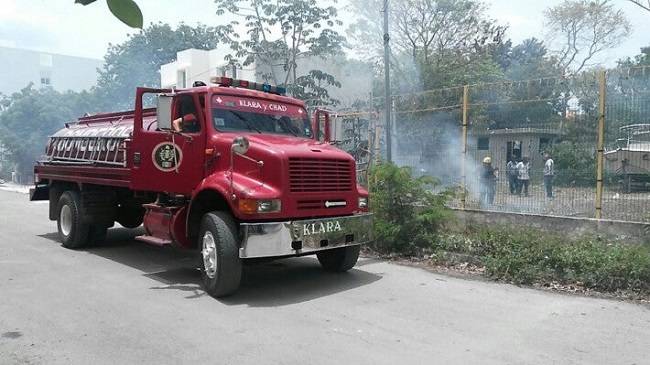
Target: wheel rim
[209, 253]
[66, 220]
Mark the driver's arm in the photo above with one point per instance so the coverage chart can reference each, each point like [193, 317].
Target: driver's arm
[177, 124]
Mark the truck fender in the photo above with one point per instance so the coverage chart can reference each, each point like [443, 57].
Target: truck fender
[208, 199]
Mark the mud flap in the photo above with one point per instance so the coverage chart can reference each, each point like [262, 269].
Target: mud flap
[40, 192]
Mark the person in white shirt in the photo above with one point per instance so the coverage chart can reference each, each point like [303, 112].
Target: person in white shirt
[549, 173]
[523, 176]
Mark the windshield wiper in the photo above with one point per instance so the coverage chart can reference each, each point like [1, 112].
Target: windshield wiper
[250, 126]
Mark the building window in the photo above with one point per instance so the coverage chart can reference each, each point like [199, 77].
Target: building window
[46, 77]
[483, 143]
[182, 79]
[544, 144]
[514, 151]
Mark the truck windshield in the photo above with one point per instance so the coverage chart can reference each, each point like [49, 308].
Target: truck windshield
[235, 120]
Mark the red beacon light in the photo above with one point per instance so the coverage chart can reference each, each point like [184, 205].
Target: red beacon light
[245, 84]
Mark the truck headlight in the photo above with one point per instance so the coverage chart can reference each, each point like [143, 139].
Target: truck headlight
[363, 202]
[269, 206]
[254, 206]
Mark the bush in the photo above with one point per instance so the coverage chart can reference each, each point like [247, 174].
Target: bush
[575, 164]
[407, 209]
[530, 256]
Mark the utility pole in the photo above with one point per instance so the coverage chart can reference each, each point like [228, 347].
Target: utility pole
[387, 103]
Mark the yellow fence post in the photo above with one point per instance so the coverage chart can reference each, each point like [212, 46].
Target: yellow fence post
[602, 81]
[463, 168]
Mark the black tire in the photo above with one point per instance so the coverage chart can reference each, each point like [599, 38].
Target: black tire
[75, 235]
[339, 259]
[130, 215]
[225, 278]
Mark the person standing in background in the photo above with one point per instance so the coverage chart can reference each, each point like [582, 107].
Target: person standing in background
[511, 171]
[549, 173]
[488, 180]
[523, 176]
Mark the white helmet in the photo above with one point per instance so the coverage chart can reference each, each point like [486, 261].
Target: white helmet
[487, 160]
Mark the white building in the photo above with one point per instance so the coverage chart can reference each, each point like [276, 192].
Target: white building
[21, 67]
[200, 65]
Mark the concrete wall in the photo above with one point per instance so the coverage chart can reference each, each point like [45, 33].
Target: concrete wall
[19, 67]
[625, 232]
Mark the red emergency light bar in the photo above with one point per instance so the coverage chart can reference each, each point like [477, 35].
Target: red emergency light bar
[228, 81]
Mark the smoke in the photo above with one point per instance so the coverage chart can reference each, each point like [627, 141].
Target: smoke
[431, 144]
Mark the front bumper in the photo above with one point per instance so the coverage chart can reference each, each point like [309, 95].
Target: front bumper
[304, 236]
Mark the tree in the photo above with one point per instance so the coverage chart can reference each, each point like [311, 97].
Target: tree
[137, 61]
[581, 29]
[529, 60]
[436, 43]
[279, 34]
[126, 11]
[31, 115]
[644, 4]
[642, 59]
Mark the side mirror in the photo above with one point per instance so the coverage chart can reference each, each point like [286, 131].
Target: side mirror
[240, 145]
[336, 130]
[164, 112]
[321, 125]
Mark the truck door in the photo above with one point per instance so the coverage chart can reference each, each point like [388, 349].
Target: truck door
[171, 162]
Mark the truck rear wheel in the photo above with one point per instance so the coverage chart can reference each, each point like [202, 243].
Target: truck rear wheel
[339, 259]
[73, 232]
[221, 269]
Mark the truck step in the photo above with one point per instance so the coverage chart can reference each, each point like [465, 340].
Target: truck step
[153, 240]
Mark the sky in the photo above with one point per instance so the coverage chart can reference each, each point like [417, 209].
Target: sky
[60, 26]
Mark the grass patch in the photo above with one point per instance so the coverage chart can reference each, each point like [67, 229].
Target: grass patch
[530, 256]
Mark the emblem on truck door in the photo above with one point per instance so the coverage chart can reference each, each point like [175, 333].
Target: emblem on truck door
[166, 156]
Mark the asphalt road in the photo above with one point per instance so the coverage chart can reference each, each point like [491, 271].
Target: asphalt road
[125, 302]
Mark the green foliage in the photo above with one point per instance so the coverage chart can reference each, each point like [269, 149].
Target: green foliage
[126, 11]
[34, 114]
[407, 210]
[575, 163]
[137, 61]
[278, 35]
[528, 60]
[642, 59]
[530, 256]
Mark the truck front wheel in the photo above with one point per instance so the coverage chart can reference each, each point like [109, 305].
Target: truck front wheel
[73, 232]
[339, 259]
[222, 267]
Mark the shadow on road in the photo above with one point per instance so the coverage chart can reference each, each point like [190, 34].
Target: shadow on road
[265, 284]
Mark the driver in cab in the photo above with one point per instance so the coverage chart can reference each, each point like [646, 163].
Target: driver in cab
[187, 123]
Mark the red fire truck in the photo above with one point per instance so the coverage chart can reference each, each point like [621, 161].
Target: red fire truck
[233, 170]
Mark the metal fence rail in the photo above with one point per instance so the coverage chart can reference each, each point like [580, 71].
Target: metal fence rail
[595, 127]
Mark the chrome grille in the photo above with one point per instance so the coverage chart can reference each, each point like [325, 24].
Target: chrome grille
[316, 175]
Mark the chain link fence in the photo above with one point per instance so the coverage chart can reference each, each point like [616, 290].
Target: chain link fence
[595, 128]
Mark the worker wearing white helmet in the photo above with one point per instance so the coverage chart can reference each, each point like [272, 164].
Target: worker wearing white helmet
[488, 180]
